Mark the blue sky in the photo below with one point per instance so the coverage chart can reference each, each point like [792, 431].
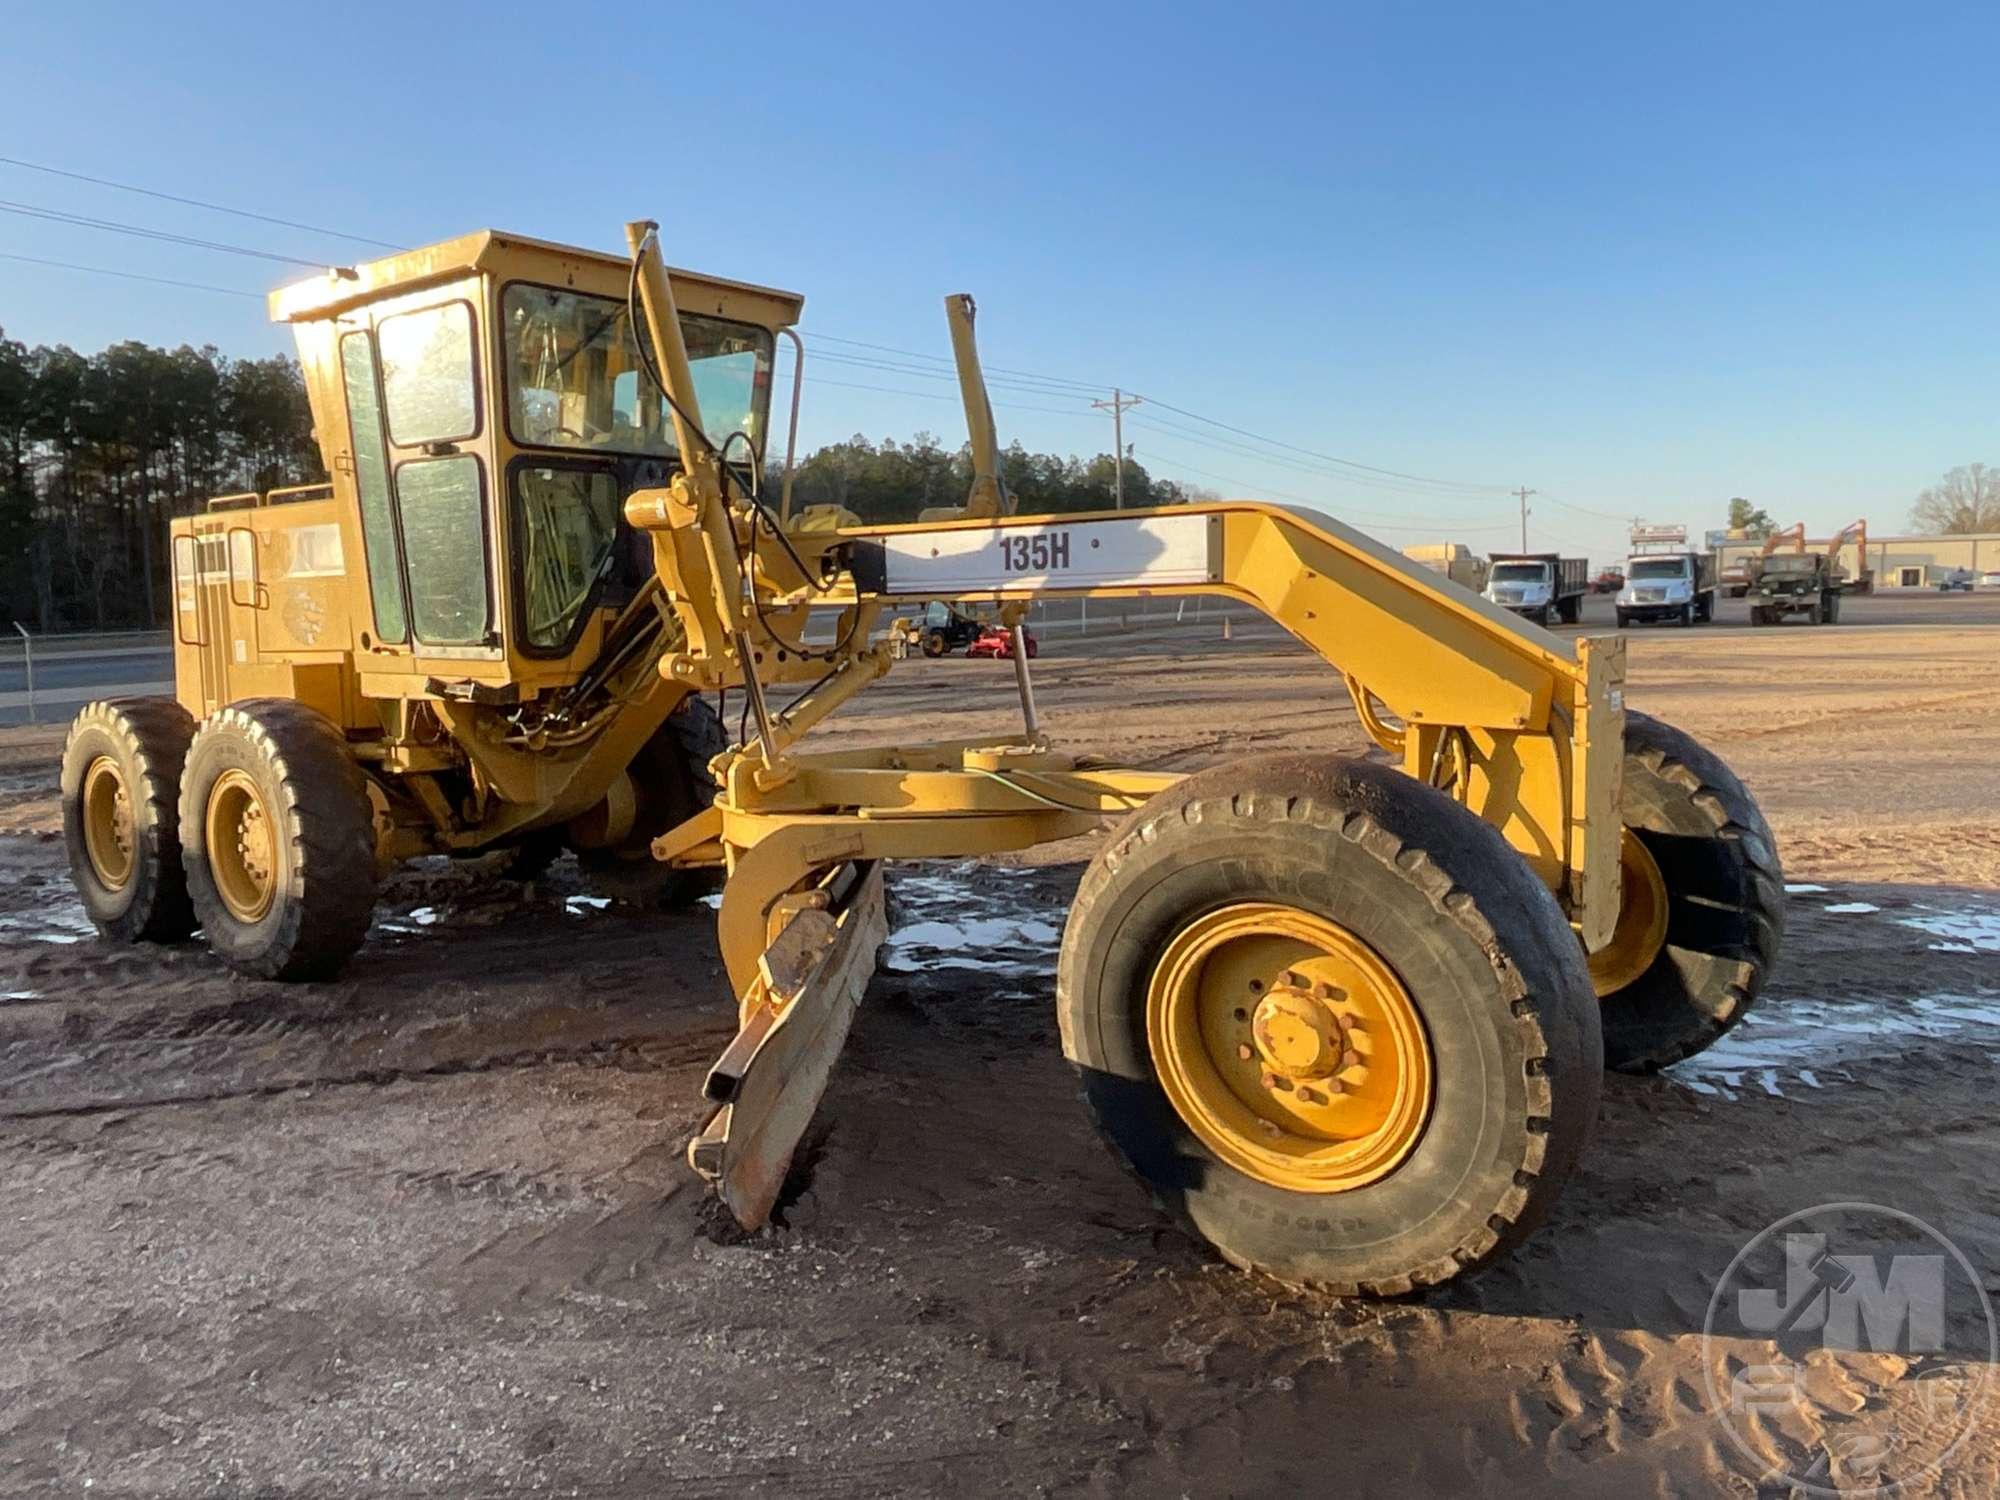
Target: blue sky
[1640, 259]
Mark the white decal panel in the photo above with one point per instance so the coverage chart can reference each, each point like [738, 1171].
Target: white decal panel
[1144, 552]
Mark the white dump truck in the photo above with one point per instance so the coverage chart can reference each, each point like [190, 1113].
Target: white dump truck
[1663, 586]
[1541, 585]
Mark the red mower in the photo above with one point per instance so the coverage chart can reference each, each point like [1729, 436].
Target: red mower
[998, 642]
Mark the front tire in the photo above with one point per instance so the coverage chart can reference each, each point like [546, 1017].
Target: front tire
[278, 838]
[1704, 911]
[1347, 900]
[121, 791]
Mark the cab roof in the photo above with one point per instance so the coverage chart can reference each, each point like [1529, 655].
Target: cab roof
[514, 256]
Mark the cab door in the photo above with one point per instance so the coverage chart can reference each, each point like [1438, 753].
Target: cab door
[422, 474]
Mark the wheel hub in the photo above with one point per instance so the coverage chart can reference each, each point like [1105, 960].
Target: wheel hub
[1642, 919]
[109, 829]
[1297, 1033]
[241, 852]
[1290, 1048]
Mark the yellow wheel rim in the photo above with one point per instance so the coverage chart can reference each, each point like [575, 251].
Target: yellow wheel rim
[240, 847]
[1292, 1051]
[109, 831]
[1642, 920]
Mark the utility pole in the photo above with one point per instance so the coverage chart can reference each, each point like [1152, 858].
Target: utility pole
[1116, 406]
[1523, 493]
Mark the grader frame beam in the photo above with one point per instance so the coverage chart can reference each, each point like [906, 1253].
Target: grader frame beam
[1528, 727]
[1522, 728]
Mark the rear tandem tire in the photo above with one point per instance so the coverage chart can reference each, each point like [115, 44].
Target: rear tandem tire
[290, 895]
[671, 776]
[1724, 893]
[1475, 944]
[121, 792]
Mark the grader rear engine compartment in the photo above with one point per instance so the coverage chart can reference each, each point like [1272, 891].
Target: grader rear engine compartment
[1346, 1018]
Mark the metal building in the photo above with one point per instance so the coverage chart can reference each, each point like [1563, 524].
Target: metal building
[1898, 562]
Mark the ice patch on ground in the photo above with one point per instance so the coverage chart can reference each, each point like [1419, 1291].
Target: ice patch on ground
[21, 995]
[1793, 1041]
[1970, 931]
[1849, 908]
[415, 920]
[1804, 890]
[948, 922]
[63, 922]
[580, 906]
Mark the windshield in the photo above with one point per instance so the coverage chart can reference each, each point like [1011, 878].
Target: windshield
[1656, 567]
[1519, 572]
[574, 379]
[1790, 563]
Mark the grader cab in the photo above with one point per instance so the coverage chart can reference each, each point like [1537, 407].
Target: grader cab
[1346, 1016]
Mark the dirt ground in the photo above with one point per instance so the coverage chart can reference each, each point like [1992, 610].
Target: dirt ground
[426, 1230]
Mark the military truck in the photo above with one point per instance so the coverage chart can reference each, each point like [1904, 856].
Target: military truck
[1795, 583]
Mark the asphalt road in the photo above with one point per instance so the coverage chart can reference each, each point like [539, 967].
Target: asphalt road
[65, 679]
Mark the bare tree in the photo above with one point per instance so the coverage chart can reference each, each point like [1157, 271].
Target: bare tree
[1965, 500]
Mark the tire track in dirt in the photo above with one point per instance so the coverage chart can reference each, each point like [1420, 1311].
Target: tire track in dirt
[650, 1053]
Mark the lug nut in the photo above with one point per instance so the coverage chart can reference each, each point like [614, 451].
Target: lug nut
[1245, 1052]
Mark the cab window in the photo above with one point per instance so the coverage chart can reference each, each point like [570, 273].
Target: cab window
[575, 379]
[567, 526]
[427, 380]
[444, 539]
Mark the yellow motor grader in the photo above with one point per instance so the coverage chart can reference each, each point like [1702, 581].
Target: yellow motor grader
[1346, 1017]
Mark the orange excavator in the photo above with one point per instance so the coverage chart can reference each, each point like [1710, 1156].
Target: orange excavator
[1796, 531]
[1864, 576]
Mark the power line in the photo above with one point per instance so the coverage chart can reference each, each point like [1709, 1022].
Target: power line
[1318, 471]
[199, 286]
[834, 338]
[1602, 515]
[1468, 523]
[1345, 463]
[950, 377]
[852, 385]
[57, 216]
[1316, 500]
[217, 208]
[929, 366]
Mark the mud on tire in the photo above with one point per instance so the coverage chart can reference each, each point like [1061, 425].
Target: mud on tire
[1725, 900]
[321, 838]
[1479, 944]
[141, 744]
